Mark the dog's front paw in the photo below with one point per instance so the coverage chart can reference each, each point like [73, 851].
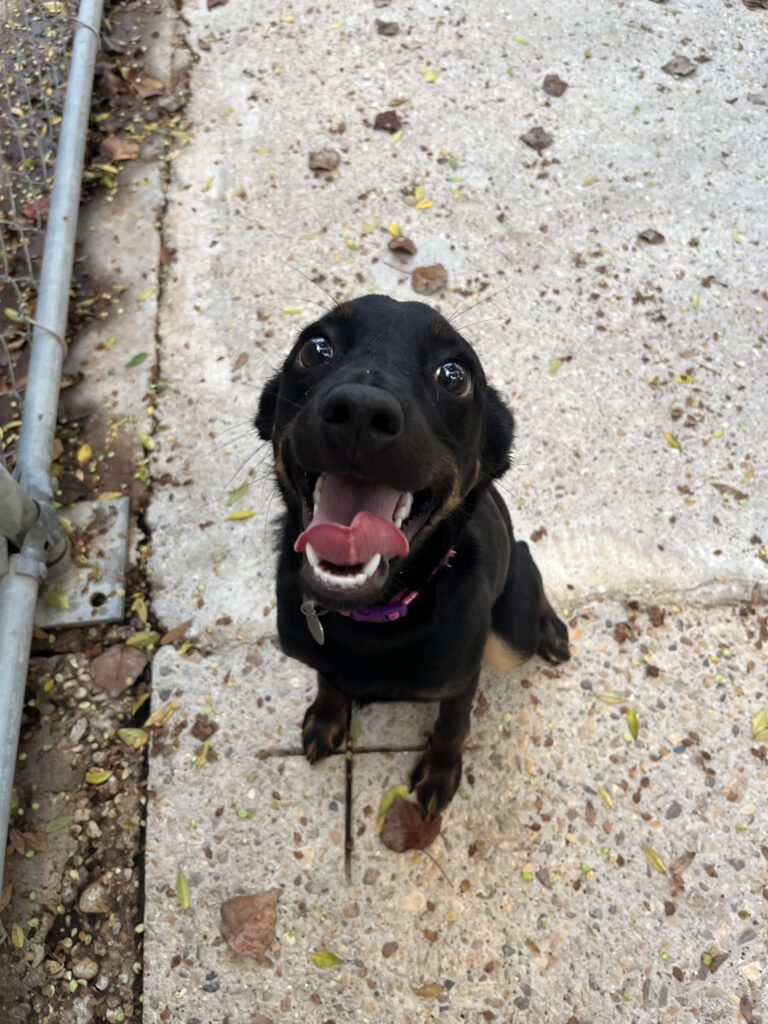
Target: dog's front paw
[435, 779]
[323, 731]
[553, 639]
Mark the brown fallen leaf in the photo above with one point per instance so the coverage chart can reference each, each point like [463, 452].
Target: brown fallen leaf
[119, 149]
[387, 121]
[402, 244]
[240, 362]
[387, 28]
[118, 668]
[405, 829]
[38, 209]
[732, 492]
[145, 85]
[679, 864]
[537, 139]
[428, 280]
[652, 236]
[215, 3]
[554, 85]
[177, 632]
[248, 922]
[680, 66]
[324, 160]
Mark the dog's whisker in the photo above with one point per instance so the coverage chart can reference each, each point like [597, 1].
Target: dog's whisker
[466, 307]
[476, 323]
[334, 302]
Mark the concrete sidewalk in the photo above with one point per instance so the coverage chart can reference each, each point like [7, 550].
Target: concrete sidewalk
[561, 887]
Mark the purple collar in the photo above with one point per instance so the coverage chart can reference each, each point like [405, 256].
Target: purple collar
[398, 606]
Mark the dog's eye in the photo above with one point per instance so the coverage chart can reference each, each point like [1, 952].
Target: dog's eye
[314, 352]
[454, 378]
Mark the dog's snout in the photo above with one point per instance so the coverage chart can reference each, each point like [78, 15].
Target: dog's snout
[362, 411]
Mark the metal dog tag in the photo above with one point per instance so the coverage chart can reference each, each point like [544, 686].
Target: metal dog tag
[314, 625]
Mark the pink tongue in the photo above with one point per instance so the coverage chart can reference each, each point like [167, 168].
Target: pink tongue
[353, 522]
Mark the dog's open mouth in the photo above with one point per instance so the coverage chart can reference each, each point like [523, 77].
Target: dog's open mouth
[353, 528]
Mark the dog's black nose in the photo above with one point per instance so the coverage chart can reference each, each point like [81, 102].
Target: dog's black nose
[362, 412]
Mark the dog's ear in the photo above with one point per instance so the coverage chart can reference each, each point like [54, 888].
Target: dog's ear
[265, 417]
[499, 430]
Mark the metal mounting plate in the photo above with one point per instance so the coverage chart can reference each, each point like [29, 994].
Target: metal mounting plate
[93, 592]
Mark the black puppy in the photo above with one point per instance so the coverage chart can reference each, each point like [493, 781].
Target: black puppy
[398, 565]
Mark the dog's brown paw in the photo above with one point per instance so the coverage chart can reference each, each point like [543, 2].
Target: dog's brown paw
[553, 639]
[322, 733]
[434, 780]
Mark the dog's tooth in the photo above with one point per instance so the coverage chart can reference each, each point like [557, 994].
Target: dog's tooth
[403, 509]
[318, 490]
[371, 566]
[312, 556]
[340, 582]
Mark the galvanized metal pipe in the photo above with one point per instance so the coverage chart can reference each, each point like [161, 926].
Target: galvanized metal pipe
[18, 511]
[18, 592]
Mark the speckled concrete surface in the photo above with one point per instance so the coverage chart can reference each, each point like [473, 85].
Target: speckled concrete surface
[537, 896]
[637, 374]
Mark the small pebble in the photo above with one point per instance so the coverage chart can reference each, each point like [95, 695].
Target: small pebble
[86, 969]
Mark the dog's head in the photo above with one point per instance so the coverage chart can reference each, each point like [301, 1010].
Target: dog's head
[382, 425]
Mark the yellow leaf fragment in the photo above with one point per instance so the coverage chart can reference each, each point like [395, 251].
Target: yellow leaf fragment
[394, 229]
[324, 958]
[605, 795]
[161, 715]
[143, 296]
[17, 935]
[182, 890]
[97, 776]
[632, 722]
[84, 454]
[241, 513]
[655, 860]
[672, 441]
[386, 802]
[133, 737]
[759, 723]
[610, 698]
[424, 204]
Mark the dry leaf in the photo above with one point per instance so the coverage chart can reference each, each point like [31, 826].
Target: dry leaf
[146, 86]
[177, 633]
[679, 864]
[405, 829]
[652, 236]
[387, 28]
[428, 280]
[119, 149]
[248, 922]
[554, 85]
[118, 668]
[679, 66]
[537, 139]
[387, 121]
[183, 894]
[324, 160]
[655, 860]
[324, 958]
[240, 362]
[402, 244]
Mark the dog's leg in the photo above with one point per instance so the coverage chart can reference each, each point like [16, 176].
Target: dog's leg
[523, 618]
[437, 775]
[325, 723]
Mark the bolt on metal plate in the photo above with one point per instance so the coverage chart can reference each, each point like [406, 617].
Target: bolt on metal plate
[93, 591]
